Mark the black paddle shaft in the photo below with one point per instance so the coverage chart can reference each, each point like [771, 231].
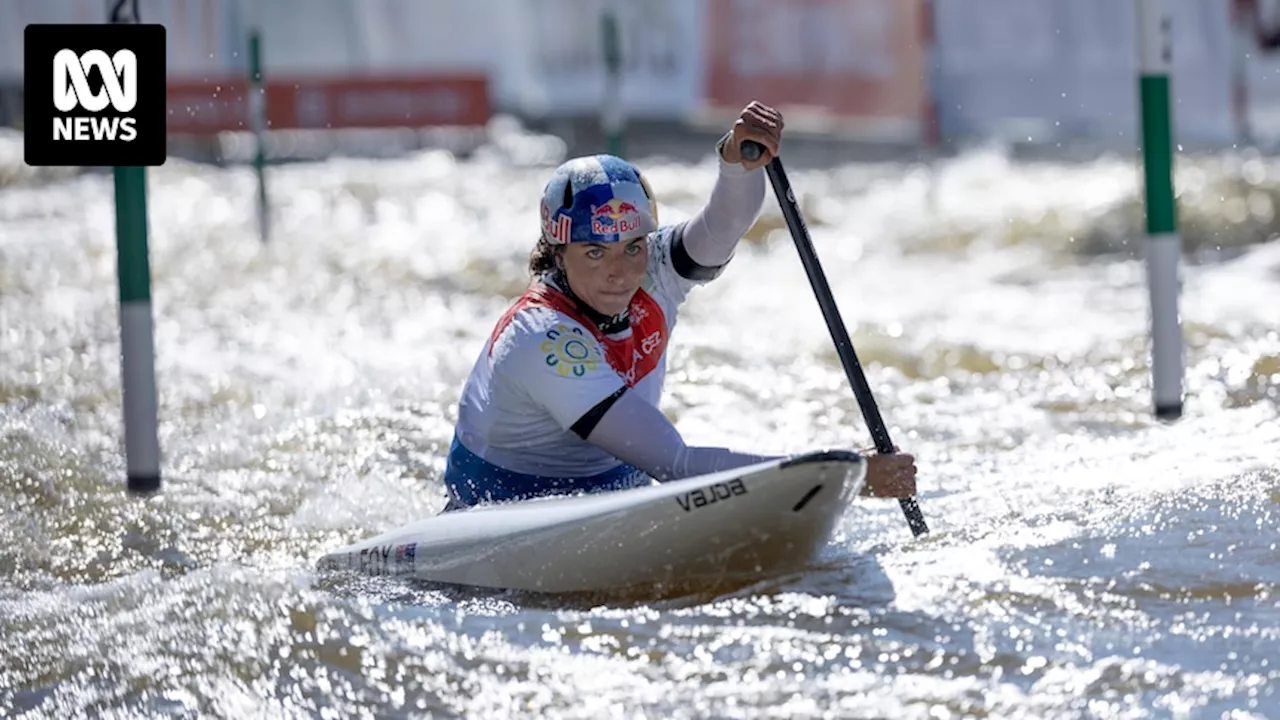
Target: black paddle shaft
[752, 150]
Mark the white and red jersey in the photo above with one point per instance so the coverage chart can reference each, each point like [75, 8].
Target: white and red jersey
[546, 364]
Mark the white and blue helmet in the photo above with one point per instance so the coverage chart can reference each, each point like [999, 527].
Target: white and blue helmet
[597, 199]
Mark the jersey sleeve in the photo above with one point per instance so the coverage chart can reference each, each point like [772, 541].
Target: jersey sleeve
[638, 433]
[692, 253]
[667, 286]
[556, 362]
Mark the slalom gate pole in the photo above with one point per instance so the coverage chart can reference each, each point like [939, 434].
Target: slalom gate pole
[258, 122]
[1163, 244]
[612, 118]
[137, 344]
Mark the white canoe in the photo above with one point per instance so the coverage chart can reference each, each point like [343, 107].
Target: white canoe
[738, 524]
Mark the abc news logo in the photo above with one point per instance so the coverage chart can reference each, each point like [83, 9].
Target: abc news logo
[71, 91]
[94, 95]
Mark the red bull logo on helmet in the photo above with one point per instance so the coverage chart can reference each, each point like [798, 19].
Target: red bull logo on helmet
[615, 217]
[557, 231]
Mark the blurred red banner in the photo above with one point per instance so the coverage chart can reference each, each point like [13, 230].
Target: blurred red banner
[849, 58]
[210, 106]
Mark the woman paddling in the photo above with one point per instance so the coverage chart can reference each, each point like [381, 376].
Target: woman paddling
[564, 395]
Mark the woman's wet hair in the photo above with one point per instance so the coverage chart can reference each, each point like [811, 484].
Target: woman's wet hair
[543, 257]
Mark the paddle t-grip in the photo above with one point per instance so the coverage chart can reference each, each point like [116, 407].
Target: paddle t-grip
[750, 150]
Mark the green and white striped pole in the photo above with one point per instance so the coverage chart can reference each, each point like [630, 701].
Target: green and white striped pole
[612, 119]
[1164, 246]
[137, 345]
[258, 122]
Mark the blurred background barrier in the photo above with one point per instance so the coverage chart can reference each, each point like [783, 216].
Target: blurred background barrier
[1014, 68]
[218, 105]
[902, 73]
[856, 65]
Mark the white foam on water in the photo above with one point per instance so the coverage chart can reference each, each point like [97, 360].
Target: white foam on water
[1085, 559]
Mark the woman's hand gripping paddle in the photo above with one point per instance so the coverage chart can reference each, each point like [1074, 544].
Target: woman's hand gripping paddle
[844, 346]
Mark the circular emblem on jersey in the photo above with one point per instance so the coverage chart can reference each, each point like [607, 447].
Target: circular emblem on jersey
[570, 351]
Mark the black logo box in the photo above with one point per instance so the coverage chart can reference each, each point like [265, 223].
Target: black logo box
[41, 43]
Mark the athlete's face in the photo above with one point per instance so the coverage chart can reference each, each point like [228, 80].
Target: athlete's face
[606, 275]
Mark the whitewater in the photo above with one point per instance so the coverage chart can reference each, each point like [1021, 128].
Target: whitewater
[1085, 560]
